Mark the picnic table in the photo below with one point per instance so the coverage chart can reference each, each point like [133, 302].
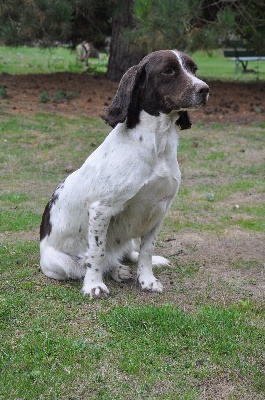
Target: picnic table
[242, 57]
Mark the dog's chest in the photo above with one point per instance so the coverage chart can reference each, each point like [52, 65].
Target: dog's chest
[162, 184]
[147, 208]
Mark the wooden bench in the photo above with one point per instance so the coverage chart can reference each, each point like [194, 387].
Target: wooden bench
[243, 56]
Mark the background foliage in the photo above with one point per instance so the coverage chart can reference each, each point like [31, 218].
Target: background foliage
[191, 24]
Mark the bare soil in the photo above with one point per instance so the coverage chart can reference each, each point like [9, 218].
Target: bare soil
[231, 102]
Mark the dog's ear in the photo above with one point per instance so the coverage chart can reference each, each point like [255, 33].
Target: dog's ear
[184, 121]
[126, 98]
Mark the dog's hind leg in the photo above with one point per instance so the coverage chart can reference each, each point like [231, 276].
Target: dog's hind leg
[158, 261]
[120, 273]
[118, 254]
[58, 265]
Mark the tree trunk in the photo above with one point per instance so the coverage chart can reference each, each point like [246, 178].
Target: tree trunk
[123, 54]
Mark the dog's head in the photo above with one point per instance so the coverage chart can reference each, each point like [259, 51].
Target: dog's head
[164, 81]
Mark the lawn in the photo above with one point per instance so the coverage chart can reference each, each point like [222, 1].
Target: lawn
[202, 338]
[25, 60]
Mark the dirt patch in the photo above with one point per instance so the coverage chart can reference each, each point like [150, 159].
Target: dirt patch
[230, 102]
[88, 94]
[228, 267]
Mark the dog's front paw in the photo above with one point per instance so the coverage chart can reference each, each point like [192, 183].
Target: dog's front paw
[96, 290]
[150, 284]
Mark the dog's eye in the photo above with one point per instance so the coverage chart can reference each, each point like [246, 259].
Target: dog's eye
[168, 71]
[194, 69]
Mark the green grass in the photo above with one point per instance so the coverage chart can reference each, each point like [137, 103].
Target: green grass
[216, 66]
[155, 339]
[245, 265]
[42, 138]
[14, 220]
[200, 335]
[24, 60]
[211, 179]
[69, 348]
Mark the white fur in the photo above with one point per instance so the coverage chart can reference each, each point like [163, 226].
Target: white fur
[120, 193]
[193, 79]
[136, 185]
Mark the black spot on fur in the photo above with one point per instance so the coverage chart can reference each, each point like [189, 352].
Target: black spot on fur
[80, 229]
[46, 226]
[97, 242]
[88, 265]
[118, 241]
[54, 198]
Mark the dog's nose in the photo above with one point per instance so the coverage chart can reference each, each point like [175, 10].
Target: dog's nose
[204, 89]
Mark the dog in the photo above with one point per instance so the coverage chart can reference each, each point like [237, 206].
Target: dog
[83, 51]
[125, 187]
